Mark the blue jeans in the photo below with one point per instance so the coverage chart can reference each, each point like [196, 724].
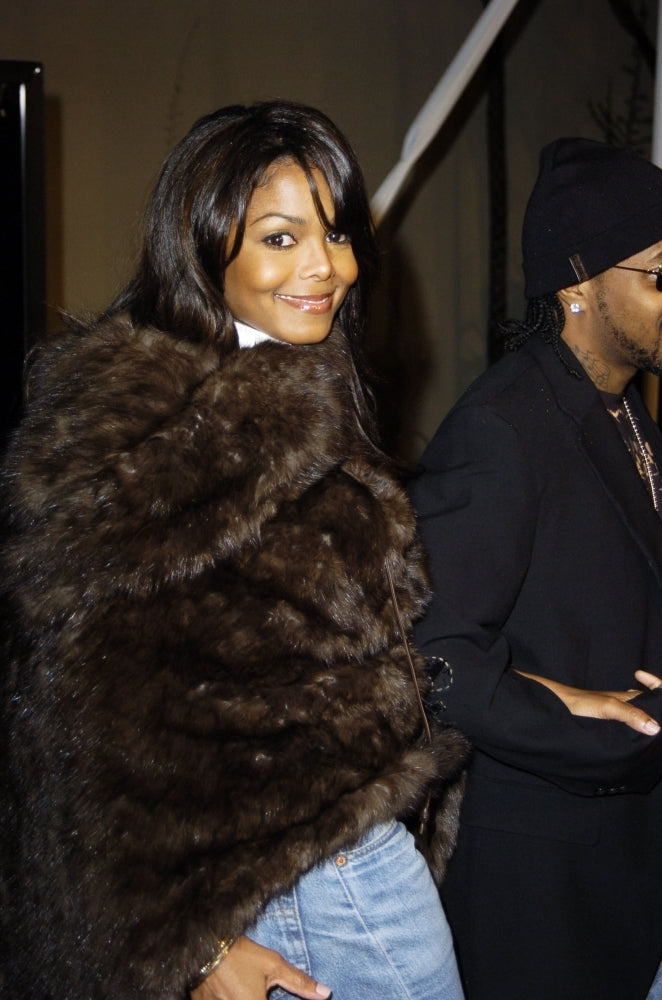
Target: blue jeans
[367, 923]
[655, 992]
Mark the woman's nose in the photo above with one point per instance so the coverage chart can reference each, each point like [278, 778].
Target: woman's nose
[317, 261]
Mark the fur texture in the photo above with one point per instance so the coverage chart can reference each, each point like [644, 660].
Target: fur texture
[206, 692]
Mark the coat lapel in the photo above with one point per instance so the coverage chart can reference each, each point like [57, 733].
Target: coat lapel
[599, 439]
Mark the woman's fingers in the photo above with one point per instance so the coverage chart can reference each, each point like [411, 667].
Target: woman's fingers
[249, 971]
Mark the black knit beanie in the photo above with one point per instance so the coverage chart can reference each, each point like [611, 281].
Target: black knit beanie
[592, 206]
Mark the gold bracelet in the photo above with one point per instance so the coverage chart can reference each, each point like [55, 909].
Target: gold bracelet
[224, 946]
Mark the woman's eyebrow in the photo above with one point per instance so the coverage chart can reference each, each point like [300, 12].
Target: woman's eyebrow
[293, 219]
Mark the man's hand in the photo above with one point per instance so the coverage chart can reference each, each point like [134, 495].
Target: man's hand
[612, 705]
[648, 680]
[248, 971]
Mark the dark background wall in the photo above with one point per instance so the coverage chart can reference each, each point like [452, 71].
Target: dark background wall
[123, 82]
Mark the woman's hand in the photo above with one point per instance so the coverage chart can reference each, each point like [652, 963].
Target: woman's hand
[248, 971]
[613, 705]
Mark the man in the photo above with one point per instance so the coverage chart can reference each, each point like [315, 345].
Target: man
[540, 504]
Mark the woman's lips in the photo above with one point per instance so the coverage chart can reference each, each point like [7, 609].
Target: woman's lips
[317, 304]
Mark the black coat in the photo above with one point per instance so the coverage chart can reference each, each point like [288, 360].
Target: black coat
[206, 691]
[546, 555]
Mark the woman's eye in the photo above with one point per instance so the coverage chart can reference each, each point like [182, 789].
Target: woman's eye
[335, 236]
[279, 240]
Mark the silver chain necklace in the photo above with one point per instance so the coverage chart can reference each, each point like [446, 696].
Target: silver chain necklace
[646, 456]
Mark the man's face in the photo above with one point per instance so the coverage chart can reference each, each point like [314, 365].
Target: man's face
[623, 321]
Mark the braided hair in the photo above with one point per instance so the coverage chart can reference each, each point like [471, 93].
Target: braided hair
[544, 317]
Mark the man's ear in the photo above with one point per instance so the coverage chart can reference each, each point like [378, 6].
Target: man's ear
[573, 298]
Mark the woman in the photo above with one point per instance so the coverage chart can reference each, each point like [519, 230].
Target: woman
[213, 729]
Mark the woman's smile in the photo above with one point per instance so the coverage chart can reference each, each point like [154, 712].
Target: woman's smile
[319, 304]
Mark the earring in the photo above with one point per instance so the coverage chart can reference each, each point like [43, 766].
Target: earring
[575, 307]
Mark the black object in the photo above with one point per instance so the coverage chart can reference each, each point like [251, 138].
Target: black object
[22, 231]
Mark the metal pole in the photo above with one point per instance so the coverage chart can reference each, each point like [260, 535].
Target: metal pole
[657, 101]
[442, 100]
[651, 383]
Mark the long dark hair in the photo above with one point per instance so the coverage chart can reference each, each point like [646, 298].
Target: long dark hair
[203, 192]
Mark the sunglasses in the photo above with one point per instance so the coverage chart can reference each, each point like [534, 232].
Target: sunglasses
[657, 271]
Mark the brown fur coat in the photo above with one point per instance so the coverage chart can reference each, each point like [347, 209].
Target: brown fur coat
[206, 693]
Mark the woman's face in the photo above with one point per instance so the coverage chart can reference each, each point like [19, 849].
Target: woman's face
[291, 274]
